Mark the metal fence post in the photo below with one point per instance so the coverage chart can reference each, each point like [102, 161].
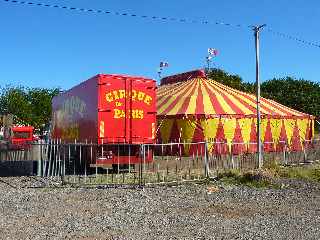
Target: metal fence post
[231, 154]
[40, 159]
[62, 162]
[46, 157]
[285, 154]
[305, 157]
[207, 175]
[140, 167]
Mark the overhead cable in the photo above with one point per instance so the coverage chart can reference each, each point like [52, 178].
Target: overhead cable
[161, 18]
[90, 10]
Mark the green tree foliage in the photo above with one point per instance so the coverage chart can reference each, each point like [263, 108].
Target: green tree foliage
[234, 81]
[30, 106]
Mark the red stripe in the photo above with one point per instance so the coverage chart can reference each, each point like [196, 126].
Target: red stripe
[164, 90]
[164, 101]
[214, 101]
[172, 105]
[235, 93]
[185, 104]
[187, 86]
[199, 102]
[167, 96]
[231, 104]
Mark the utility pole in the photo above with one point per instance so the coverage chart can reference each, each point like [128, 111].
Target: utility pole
[161, 68]
[208, 58]
[159, 73]
[256, 30]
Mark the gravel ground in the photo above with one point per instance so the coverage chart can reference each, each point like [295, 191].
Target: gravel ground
[178, 212]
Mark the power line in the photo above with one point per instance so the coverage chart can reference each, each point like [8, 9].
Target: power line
[159, 18]
[284, 35]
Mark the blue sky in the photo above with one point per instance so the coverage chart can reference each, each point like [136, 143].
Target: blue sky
[47, 47]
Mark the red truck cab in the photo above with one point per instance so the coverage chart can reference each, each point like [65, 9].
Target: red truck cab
[22, 135]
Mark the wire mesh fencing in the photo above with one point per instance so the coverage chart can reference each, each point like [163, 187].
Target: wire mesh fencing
[172, 164]
[23, 152]
[87, 163]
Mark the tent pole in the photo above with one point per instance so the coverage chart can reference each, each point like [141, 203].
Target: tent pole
[256, 30]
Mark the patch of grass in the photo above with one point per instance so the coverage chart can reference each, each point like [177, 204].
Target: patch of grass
[306, 172]
[272, 166]
[254, 179]
[46, 189]
[309, 173]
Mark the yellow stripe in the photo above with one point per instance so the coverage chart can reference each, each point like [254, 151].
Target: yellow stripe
[302, 125]
[165, 129]
[289, 125]
[263, 126]
[276, 126]
[172, 99]
[207, 104]
[164, 90]
[229, 127]
[187, 131]
[171, 92]
[193, 100]
[225, 106]
[246, 127]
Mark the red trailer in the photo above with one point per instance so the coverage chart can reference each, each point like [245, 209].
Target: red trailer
[117, 112]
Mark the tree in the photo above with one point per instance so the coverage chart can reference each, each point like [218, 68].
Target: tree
[14, 100]
[234, 81]
[31, 106]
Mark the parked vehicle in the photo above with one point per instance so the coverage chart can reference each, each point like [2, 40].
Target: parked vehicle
[15, 137]
[22, 135]
[115, 112]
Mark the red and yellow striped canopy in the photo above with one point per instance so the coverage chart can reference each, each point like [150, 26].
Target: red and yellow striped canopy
[193, 94]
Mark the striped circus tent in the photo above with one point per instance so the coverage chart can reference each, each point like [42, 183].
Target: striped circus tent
[193, 108]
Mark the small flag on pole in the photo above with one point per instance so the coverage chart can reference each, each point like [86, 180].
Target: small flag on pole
[212, 51]
[164, 64]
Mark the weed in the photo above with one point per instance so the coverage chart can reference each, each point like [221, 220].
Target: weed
[309, 173]
[254, 179]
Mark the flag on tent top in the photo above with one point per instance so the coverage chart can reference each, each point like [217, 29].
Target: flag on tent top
[164, 64]
[212, 51]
